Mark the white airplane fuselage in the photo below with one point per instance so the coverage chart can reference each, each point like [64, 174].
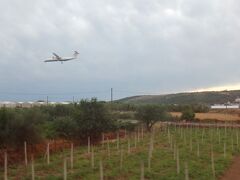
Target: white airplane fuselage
[63, 59]
[57, 58]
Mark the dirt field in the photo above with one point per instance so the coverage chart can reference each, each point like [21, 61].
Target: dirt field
[233, 172]
[213, 116]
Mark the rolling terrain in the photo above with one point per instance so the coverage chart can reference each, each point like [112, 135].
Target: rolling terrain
[207, 97]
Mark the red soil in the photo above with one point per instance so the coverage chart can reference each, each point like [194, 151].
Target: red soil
[233, 172]
[16, 155]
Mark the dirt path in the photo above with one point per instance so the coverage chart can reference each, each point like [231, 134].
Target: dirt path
[233, 173]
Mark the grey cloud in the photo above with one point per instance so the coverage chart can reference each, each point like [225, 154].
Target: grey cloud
[132, 46]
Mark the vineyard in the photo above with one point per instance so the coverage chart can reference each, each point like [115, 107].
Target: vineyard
[169, 151]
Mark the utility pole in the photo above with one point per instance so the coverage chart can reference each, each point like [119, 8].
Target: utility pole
[111, 95]
[47, 100]
[73, 100]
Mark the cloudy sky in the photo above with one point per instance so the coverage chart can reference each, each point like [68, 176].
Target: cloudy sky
[133, 46]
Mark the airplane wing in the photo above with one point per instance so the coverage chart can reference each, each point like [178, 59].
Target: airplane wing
[57, 56]
[51, 60]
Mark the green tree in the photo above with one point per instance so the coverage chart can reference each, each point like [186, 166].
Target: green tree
[65, 127]
[150, 114]
[19, 125]
[188, 114]
[92, 118]
[6, 115]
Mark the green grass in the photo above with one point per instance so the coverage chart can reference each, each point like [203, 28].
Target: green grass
[163, 165]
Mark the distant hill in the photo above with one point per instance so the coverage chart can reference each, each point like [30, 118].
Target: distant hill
[207, 97]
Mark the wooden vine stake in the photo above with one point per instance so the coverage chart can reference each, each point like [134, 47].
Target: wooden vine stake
[32, 168]
[191, 147]
[203, 134]
[48, 154]
[138, 135]
[25, 153]
[151, 144]
[101, 169]
[149, 158]
[168, 135]
[65, 169]
[178, 164]
[185, 140]
[171, 145]
[108, 148]
[92, 158]
[102, 139]
[174, 152]
[219, 137]
[237, 137]
[142, 170]
[135, 139]
[121, 159]
[181, 131]
[89, 142]
[71, 156]
[211, 135]
[129, 146]
[186, 171]
[5, 166]
[198, 150]
[225, 128]
[213, 166]
[224, 150]
[118, 140]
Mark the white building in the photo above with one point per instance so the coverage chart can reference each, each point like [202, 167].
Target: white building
[225, 106]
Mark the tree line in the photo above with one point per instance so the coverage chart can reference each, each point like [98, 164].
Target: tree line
[76, 121]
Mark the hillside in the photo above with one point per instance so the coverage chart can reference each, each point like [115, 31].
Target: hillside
[207, 97]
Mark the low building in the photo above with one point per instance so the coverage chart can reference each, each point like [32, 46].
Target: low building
[225, 106]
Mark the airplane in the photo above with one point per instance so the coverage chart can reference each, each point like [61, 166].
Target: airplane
[57, 58]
